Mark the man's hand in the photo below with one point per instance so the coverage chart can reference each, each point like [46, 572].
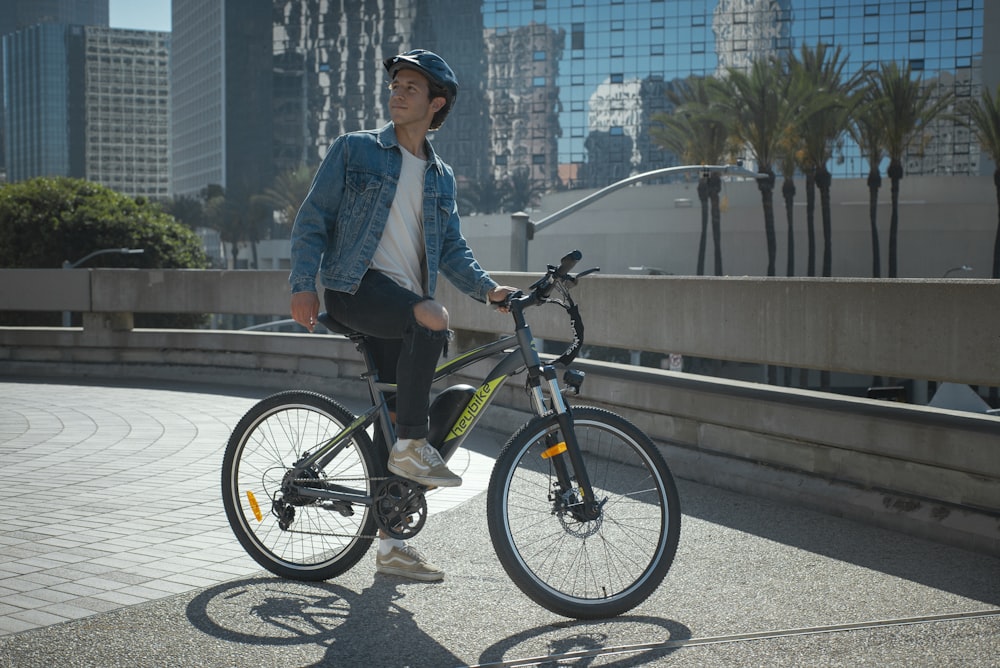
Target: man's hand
[305, 309]
[498, 295]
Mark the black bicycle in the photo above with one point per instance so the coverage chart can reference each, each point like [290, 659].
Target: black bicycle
[582, 509]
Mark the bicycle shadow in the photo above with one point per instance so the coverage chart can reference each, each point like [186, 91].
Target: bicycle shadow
[351, 627]
[584, 643]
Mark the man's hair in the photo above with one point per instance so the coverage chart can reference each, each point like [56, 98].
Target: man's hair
[436, 90]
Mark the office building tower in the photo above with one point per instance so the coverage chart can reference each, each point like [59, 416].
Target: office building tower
[88, 102]
[221, 74]
[18, 14]
[126, 110]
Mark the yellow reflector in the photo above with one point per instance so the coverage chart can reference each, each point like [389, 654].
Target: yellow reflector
[253, 506]
[556, 449]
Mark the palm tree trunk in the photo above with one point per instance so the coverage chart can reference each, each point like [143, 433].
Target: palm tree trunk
[714, 189]
[788, 192]
[874, 183]
[766, 187]
[703, 242]
[823, 181]
[895, 175]
[811, 221]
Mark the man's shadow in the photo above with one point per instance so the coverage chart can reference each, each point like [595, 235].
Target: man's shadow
[353, 627]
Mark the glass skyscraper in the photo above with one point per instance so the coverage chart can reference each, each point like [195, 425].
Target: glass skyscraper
[565, 90]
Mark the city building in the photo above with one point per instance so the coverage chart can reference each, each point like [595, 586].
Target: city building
[18, 14]
[222, 73]
[89, 102]
[126, 109]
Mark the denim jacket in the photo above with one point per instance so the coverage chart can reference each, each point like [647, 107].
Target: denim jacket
[340, 223]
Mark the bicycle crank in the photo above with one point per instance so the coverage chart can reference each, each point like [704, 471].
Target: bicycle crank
[400, 508]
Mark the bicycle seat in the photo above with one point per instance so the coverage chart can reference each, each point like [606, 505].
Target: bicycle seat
[335, 325]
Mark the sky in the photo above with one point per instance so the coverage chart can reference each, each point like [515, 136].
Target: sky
[140, 14]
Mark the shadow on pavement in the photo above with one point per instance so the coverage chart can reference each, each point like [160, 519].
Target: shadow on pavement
[352, 627]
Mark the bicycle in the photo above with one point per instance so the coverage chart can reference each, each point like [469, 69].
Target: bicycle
[582, 509]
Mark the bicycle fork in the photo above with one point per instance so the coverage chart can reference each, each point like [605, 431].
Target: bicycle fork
[565, 455]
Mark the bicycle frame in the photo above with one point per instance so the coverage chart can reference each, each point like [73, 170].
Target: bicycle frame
[541, 381]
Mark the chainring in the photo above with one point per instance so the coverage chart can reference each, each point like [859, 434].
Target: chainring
[400, 507]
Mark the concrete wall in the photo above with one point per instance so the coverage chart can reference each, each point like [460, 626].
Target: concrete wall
[944, 222]
[928, 471]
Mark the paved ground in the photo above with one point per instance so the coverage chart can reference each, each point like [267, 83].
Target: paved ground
[114, 551]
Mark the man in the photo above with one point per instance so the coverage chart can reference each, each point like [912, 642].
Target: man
[379, 223]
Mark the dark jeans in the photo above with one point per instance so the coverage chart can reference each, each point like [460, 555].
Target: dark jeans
[383, 311]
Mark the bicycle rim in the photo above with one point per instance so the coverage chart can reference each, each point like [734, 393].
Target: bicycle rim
[319, 542]
[594, 569]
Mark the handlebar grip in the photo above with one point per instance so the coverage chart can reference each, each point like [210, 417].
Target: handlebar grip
[568, 262]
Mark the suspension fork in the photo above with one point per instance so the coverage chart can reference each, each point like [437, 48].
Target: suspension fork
[569, 455]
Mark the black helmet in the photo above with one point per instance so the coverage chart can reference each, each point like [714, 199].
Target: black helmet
[442, 78]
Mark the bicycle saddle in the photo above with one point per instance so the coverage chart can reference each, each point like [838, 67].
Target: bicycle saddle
[335, 325]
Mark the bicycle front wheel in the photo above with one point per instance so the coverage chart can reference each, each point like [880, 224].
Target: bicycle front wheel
[298, 537]
[585, 569]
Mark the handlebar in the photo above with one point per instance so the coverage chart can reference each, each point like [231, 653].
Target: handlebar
[540, 291]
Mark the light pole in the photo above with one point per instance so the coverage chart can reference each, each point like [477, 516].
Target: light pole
[964, 267]
[523, 228]
[66, 316]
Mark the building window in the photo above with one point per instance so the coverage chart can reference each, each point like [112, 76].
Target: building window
[918, 7]
[616, 131]
[538, 159]
[538, 82]
[697, 47]
[871, 38]
[917, 64]
[617, 78]
[826, 12]
[963, 33]
[916, 35]
[538, 55]
[576, 38]
[871, 10]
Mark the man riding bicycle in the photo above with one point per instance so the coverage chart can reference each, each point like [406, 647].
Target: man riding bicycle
[379, 224]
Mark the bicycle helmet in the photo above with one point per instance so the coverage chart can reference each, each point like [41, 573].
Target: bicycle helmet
[437, 71]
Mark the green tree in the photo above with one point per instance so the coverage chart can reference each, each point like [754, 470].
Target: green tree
[762, 106]
[823, 118]
[984, 121]
[286, 194]
[520, 192]
[908, 107]
[481, 196]
[46, 221]
[698, 132]
[866, 131]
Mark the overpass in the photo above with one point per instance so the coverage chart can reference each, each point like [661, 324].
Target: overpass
[927, 471]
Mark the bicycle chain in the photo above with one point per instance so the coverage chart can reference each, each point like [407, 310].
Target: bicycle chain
[337, 535]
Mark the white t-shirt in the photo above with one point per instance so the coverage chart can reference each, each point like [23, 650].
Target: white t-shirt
[401, 253]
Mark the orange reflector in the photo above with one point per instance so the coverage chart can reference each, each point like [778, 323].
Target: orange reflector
[556, 449]
[253, 506]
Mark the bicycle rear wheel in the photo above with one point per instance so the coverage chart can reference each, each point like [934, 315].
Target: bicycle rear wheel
[584, 569]
[298, 538]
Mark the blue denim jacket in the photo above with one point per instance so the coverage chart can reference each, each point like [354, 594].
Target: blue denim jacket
[339, 224]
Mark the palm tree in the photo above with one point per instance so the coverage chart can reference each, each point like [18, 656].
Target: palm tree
[696, 131]
[520, 192]
[287, 192]
[821, 123]
[908, 109]
[867, 134]
[984, 121]
[481, 196]
[762, 104]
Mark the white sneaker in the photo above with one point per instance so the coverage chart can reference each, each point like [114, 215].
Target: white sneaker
[406, 562]
[421, 462]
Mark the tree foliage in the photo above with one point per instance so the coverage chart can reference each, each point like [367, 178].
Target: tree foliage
[47, 221]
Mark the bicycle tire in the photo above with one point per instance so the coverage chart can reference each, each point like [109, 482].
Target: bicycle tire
[321, 542]
[585, 570]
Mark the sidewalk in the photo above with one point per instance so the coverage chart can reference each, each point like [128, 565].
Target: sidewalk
[114, 550]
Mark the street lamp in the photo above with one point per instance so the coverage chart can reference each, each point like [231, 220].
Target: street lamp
[964, 267]
[66, 316]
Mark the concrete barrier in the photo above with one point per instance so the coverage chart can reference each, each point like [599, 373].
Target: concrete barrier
[927, 471]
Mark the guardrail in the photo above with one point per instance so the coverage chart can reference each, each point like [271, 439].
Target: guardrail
[924, 470]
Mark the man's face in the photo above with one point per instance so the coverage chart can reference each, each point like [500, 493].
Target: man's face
[409, 99]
